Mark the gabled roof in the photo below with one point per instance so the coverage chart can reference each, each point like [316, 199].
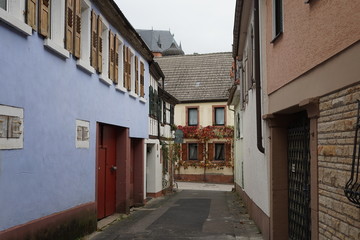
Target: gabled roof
[159, 40]
[198, 77]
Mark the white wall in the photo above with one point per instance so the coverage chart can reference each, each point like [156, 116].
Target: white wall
[153, 166]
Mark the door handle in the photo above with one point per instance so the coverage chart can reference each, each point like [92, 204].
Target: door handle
[113, 168]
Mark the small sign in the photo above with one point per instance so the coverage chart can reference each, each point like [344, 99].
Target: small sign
[179, 136]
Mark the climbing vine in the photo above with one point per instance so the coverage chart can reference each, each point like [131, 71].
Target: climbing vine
[204, 135]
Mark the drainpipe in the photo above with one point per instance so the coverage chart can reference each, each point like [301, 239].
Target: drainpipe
[257, 77]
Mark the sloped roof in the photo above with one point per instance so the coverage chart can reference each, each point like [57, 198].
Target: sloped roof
[198, 77]
[158, 40]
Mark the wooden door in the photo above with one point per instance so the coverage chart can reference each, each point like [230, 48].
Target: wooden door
[106, 198]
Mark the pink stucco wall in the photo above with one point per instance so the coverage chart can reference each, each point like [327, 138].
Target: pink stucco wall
[312, 34]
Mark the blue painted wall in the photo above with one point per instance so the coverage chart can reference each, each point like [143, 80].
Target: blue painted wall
[50, 174]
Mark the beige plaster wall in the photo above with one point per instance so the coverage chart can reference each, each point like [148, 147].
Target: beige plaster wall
[205, 113]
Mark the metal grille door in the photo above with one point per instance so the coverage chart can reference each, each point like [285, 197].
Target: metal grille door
[299, 179]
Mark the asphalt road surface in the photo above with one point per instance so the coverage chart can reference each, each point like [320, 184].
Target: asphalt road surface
[186, 214]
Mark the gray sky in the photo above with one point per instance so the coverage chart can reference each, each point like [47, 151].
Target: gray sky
[202, 26]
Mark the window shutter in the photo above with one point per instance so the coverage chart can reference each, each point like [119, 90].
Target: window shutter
[100, 45]
[94, 40]
[125, 66]
[227, 151]
[142, 69]
[184, 152]
[116, 69]
[31, 13]
[69, 25]
[136, 75]
[210, 151]
[77, 32]
[129, 69]
[44, 17]
[201, 151]
[111, 56]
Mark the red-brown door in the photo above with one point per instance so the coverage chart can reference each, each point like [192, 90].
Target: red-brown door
[106, 198]
[132, 176]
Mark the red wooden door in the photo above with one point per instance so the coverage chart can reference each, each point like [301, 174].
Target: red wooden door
[132, 177]
[106, 171]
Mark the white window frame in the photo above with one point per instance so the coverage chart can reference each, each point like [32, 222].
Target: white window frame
[85, 44]
[14, 16]
[55, 41]
[86, 142]
[132, 60]
[13, 143]
[120, 85]
[104, 76]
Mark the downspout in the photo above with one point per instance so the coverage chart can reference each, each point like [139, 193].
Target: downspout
[257, 77]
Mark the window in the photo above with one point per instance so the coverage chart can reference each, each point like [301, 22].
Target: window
[142, 70]
[82, 134]
[11, 127]
[238, 125]
[96, 42]
[192, 118]
[193, 151]
[136, 75]
[53, 26]
[219, 116]
[85, 42]
[164, 112]
[12, 12]
[3, 4]
[219, 151]
[277, 18]
[127, 67]
[114, 47]
[172, 114]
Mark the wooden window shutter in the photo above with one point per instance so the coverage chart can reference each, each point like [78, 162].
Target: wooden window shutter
[210, 151]
[31, 13]
[69, 25]
[116, 69]
[227, 151]
[111, 56]
[100, 44]
[184, 152]
[94, 40]
[125, 66]
[129, 69]
[201, 151]
[142, 70]
[44, 17]
[136, 75]
[77, 30]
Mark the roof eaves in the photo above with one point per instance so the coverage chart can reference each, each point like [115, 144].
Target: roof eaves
[114, 15]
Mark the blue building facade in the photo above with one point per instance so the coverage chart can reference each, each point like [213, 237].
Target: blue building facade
[50, 175]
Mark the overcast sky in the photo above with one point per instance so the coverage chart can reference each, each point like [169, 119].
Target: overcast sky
[202, 26]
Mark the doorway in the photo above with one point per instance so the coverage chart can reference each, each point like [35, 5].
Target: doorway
[106, 170]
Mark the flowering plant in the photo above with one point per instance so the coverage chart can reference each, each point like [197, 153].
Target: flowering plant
[204, 134]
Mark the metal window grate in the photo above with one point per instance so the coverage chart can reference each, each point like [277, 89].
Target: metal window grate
[352, 187]
[299, 179]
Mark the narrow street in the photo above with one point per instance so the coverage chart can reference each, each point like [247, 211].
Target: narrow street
[212, 213]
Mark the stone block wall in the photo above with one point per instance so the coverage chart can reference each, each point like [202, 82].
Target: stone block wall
[338, 218]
